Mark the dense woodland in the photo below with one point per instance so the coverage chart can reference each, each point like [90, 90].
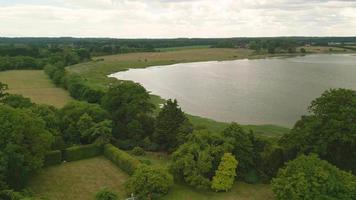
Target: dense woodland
[316, 160]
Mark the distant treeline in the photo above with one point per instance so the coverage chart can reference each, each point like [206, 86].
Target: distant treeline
[36, 53]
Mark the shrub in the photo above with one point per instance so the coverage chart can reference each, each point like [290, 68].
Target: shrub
[138, 151]
[149, 182]
[105, 194]
[122, 159]
[53, 158]
[81, 152]
[308, 177]
[226, 173]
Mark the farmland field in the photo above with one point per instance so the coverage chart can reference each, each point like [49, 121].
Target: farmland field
[35, 85]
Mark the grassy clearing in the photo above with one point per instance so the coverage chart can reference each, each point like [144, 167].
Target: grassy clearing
[240, 191]
[35, 85]
[78, 180]
[183, 48]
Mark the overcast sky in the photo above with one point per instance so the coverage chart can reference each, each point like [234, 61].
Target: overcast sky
[177, 18]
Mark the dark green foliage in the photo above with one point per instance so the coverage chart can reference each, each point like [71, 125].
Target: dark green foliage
[149, 182]
[308, 177]
[271, 159]
[329, 130]
[75, 118]
[122, 159]
[138, 151]
[130, 108]
[51, 118]
[13, 195]
[196, 161]
[81, 152]
[225, 174]
[243, 148]
[23, 144]
[172, 126]
[105, 194]
[17, 101]
[53, 158]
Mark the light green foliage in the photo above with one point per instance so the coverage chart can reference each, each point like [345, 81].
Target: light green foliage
[243, 148]
[149, 182]
[105, 194]
[308, 177]
[172, 126]
[129, 103]
[226, 173]
[138, 151]
[122, 159]
[23, 144]
[3, 88]
[196, 161]
[329, 130]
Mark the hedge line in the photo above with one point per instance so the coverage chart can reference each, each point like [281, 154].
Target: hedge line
[81, 152]
[53, 158]
[122, 159]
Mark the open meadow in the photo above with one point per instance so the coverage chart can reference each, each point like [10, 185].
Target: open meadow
[35, 85]
[78, 180]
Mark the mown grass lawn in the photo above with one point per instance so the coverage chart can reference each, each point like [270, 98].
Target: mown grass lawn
[35, 85]
[78, 180]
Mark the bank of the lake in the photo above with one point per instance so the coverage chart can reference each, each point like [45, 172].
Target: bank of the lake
[95, 74]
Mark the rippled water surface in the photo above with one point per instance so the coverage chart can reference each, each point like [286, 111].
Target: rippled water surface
[267, 91]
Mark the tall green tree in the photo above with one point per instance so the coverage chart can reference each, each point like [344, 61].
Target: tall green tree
[196, 161]
[129, 103]
[243, 148]
[308, 177]
[24, 141]
[329, 130]
[78, 117]
[149, 183]
[225, 175]
[172, 126]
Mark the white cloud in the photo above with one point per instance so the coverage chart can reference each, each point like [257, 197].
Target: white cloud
[177, 18]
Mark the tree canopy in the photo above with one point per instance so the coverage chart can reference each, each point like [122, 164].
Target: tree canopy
[329, 130]
[23, 144]
[308, 177]
[172, 126]
[225, 174]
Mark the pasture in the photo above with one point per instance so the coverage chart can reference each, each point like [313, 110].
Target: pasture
[35, 85]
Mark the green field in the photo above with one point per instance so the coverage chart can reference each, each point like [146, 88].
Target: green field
[35, 85]
[183, 48]
[78, 180]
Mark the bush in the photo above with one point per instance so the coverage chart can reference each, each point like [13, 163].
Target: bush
[105, 194]
[138, 151]
[308, 177]
[81, 152]
[122, 159]
[53, 158]
[149, 182]
[225, 175]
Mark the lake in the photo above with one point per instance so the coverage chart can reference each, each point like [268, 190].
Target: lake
[264, 91]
